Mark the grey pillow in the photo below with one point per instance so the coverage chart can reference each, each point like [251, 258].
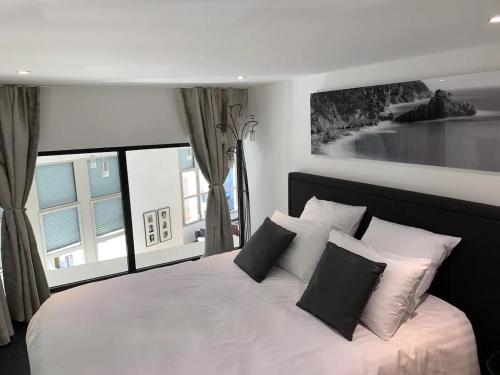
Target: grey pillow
[340, 288]
[263, 249]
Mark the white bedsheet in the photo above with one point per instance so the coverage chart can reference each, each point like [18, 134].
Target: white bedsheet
[208, 317]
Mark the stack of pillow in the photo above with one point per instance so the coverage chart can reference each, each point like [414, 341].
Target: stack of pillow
[378, 281]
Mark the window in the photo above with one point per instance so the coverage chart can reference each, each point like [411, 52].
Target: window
[108, 216]
[231, 192]
[61, 229]
[59, 215]
[104, 176]
[105, 192]
[55, 185]
[76, 202]
[80, 224]
[195, 188]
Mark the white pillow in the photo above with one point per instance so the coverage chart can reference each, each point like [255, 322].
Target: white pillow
[387, 306]
[337, 215]
[411, 242]
[303, 254]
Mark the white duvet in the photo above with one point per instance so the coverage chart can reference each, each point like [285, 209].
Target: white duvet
[208, 317]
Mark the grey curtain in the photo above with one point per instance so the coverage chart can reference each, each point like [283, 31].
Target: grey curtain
[24, 278]
[6, 329]
[203, 109]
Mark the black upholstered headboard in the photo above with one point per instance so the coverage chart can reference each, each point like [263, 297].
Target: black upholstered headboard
[469, 279]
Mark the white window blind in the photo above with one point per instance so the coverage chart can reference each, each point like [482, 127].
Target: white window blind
[186, 158]
[101, 186]
[61, 229]
[108, 216]
[55, 185]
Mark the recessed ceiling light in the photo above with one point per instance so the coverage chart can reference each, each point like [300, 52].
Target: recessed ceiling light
[441, 80]
[241, 77]
[495, 19]
[23, 72]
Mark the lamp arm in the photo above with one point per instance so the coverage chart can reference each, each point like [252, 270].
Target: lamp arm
[233, 131]
[253, 123]
[240, 109]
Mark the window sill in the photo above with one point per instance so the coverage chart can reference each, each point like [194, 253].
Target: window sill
[60, 288]
[203, 220]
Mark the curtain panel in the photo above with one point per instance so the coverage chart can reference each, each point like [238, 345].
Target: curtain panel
[26, 286]
[203, 109]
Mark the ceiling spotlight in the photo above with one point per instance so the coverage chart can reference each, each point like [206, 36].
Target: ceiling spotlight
[495, 19]
[23, 72]
[441, 80]
[241, 77]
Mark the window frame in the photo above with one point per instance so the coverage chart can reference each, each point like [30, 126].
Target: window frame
[197, 172]
[72, 162]
[110, 235]
[48, 256]
[125, 195]
[104, 198]
[86, 212]
[51, 210]
[92, 200]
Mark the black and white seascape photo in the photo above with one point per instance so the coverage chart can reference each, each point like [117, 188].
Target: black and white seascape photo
[452, 122]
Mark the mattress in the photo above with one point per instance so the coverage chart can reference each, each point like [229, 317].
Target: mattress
[208, 317]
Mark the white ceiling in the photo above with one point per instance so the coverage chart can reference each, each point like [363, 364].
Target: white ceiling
[213, 41]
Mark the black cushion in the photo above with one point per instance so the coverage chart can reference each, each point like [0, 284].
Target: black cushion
[263, 249]
[340, 288]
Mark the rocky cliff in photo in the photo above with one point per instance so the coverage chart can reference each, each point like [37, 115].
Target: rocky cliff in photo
[337, 113]
[440, 106]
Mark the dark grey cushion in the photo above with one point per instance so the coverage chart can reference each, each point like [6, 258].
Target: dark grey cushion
[263, 249]
[340, 288]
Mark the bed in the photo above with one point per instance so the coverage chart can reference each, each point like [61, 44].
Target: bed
[209, 317]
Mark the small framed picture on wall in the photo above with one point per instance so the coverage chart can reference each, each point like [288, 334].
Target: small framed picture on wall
[164, 224]
[151, 228]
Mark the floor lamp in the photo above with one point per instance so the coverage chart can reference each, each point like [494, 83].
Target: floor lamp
[231, 129]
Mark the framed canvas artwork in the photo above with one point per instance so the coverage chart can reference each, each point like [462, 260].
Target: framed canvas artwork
[151, 228]
[450, 122]
[165, 225]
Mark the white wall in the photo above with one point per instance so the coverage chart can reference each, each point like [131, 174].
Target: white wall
[284, 144]
[268, 158]
[154, 183]
[75, 117]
